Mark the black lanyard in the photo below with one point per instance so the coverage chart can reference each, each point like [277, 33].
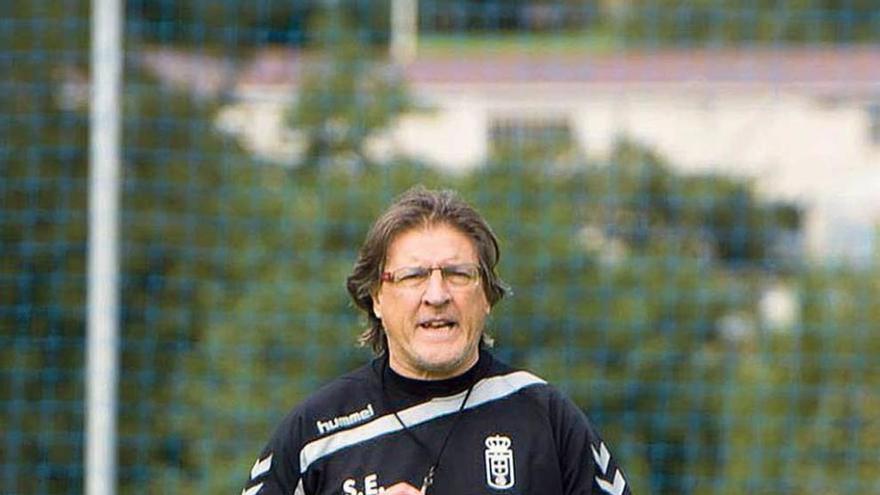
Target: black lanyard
[428, 480]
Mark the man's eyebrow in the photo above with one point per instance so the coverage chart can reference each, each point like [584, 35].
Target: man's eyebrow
[415, 261]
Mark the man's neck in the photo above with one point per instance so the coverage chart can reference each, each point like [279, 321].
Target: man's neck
[416, 373]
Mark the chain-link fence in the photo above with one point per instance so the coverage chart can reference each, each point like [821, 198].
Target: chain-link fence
[687, 196]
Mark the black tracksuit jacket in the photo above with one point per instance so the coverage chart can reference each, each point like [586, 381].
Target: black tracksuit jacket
[515, 435]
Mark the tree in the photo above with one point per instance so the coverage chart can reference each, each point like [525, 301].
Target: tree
[244, 25]
[347, 95]
[730, 22]
[43, 211]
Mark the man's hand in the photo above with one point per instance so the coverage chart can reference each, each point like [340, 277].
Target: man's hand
[402, 488]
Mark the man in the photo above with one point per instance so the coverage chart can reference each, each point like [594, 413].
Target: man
[434, 412]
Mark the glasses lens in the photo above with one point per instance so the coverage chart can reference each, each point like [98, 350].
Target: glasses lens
[411, 276]
[460, 275]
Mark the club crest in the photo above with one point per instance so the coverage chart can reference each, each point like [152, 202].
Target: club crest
[499, 462]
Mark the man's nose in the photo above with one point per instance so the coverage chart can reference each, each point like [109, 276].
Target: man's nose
[436, 292]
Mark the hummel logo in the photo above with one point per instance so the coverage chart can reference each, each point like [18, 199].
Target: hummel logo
[347, 420]
[252, 490]
[602, 458]
[616, 488]
[261, 466]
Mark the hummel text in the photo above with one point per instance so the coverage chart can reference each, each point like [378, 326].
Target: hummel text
[347, 420]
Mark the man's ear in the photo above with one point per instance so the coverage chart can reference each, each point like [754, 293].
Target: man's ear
[377, 306]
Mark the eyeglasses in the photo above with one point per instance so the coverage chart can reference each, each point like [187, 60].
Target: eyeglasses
[411, 277]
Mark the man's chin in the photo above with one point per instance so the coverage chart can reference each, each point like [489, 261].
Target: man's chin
[439, 366]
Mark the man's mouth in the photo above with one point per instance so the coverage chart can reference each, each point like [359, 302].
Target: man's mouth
[435, 323]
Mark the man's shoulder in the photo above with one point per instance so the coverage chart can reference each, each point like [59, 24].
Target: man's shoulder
[343, 389]
[499, 369]
[500, 372]
[521, 381]
[345, 400]
[530, 386]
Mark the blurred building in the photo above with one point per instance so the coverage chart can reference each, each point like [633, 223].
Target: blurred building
[804, 123]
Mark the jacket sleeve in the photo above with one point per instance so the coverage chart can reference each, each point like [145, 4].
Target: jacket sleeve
[586, 463]
[276, 469]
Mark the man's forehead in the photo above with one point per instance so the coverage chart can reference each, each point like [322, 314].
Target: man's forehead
[426, 242]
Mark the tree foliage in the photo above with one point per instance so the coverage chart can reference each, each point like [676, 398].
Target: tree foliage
[43, 195]
[229, 24]
[347, 95]
[729, 21]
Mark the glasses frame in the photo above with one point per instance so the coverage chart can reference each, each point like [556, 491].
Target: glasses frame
[389, 276]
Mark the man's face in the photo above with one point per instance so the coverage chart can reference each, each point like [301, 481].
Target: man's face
[434, 328]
